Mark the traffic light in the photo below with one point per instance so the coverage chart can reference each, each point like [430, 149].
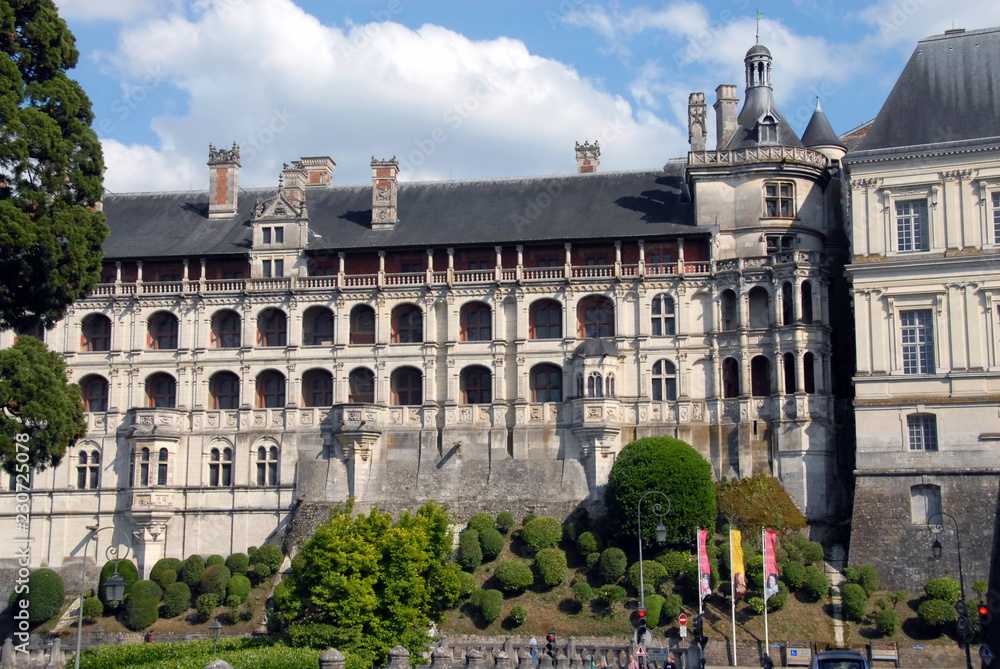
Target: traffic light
[698, 627]
[550, 643]
[640, 632]
[984, 618]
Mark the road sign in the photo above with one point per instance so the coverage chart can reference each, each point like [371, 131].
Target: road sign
[985, 654]
[682, 620]
[962, 624]
[684, 631]
[657, 654]
[640, 651]
[960, 607]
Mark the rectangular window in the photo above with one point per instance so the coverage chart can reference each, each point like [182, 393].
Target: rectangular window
[265, 269]
[279, 268]
[779, 243]
[265, 235]
[279, 235]
[996, 218]
[479, 265]
[912, 233]
[779, 199]
[923, 432]
[917, 333]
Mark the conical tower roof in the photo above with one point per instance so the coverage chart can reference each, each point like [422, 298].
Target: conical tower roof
[819, 132]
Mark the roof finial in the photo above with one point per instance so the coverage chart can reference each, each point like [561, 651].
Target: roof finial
[818, 108]
[758, 17]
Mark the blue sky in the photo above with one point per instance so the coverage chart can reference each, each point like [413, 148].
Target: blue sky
[469, 90]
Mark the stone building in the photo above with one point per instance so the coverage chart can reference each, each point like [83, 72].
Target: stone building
[251, 355]
[925, 228]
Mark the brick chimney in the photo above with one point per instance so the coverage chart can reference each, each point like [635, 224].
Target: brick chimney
[697, 120]
[384, 187]
[725, 114]
[588, 157]
[223, 173]
[319, 170]
[293, 183]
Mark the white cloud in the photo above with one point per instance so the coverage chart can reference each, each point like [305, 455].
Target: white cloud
[902, 22]
[133, 164]
[121, 11]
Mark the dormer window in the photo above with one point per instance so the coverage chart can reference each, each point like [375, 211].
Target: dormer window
[275, 235]
[767, 130]
[779, 199]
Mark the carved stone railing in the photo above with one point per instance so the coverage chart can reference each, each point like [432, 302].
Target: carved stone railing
[759, 154]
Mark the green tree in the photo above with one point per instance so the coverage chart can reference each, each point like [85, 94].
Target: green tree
[372, 583]
[39, 401]
[51, 171]
[672, 467]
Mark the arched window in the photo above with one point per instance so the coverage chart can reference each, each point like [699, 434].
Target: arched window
[596, 317]
[760, 376]
[362, 325]
[730, 377]
[809, 372]
[162, 331]
[922, 432]
[545, 320]
[759, 306]
[362, 386]
[95, 333]
[220, 467]
[595, 385]
[476, 385]
[664, 381]
[317, 388]
[272, 328]
[609, 385]
[95, 393]
[88, 470]
[270, 390]
[162, 459]
[407, 387]
[317, 325]
[788, 365]
[807, 302]
[224, 391]
[787, 313]
[226, 329]
[727, 307]
[267, 465]
[477, 322]
[663, 316]
[546, 384]
[407, 325]
[161, 391]
[925, 502]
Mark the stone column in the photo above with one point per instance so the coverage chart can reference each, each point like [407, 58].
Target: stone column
[440, 658]
[473, 660]
[55, 654]
[399, 658]
[331, 659]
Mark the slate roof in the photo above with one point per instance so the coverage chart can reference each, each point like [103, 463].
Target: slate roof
[819, 132]
[759, 101]
[596, 348]
[949, 91]
[604, 205]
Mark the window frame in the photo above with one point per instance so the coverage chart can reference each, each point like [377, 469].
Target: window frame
[313, 396]
[272, 323]
[314, 335]
[551, 371]
[358, 335]
[663, 322]
[163, 332]
[89, 382]
[407, 324]
[916, 341]
[216, 397]
[549, 307]
[227, 329]
[482, 330]
[268, 472]
[917, 225]
[157, 399]
[779, 199]
[354, 395]
[482, 391]
[268, 398]
[663, 381]
[411, 394]
[92, 340]
[922, 432]
[590, 323]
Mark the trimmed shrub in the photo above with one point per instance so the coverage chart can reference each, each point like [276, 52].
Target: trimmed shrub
[592, 561]
[855, 601]
[671, 608]
[935, 613]
[205, 605]
[654, 607]
[551, 565]
[612, 564]
[812, 552]
[491, 543]
[756, 604]
[673, 562]
[247, 609]
[93, 608]
[213, 560]
[470, 553]
[260, 572]
[491, 604]
[476, 598]
[945, 589]
[518, 615]
[158, 574]
[758, 501]
[142, 604]
[513, 575]
[176, 600]
[45, 595]
[238, 563]
[126, 569]
[481, 521]
[252, 554]
[192, 571]
[777, 601]
[467, 582]
[869, 579]
[755, 573]
[215, 580]
[816, 584]
[239, 587]
[886, 622]
[851, 574]
[541, 533]
[505, 522]
[653, 574]
[609, 595]
[582, 592]
[793, 574]
[589, 542]
[270, 555]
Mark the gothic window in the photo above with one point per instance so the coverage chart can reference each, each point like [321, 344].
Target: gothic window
[787, 312]
[88, 470]
[609, 385]
[917, 332]
[161, 391]
[730, 377]
[220, 467]
[224, 391]
[664, 381]
[476, 385]
[595, 385]
[362, 325]
[922, 428]
[759, 307]
[407, 387]
[925, 502]
[809, 373]
[317, 388]
[226, 329]
[760, 376]
[317, 324]
[545, 320]
[270, 390]
[727, 307]
[477, 322]
[788, 365]
[407, 325]
[912, 230]
[267, 465]
[779, 199]
[272, 328]
[662, 316]
[162, 331]
[596, 318]
[362, 386]
[546, 383]
[162, 459]
[95, 333]
[95, 393]
[807, 302]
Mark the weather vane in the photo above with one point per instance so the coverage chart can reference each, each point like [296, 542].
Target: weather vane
[758, 17]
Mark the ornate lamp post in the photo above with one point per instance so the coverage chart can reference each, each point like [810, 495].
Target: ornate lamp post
[937, 548]
[661, 536]
[114, 587]
[214, 631]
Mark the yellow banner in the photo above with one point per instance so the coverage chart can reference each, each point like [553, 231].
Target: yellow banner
[739, 571]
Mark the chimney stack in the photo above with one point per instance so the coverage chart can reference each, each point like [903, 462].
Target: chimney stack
[223, 170]
[384, 186]
[319, 171]
[697, 120]
[725, 115]
[588, 157]
[293, 183]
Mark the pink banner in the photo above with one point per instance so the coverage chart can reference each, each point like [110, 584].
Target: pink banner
[704, 569]
[770, 564]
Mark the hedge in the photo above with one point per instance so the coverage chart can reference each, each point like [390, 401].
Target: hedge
[514, 576]
[491, 543]
[654, 607]
[215, 580]
[213, 560]
[141, 605]
[176, 600]
[541, 533]
[551, 565]
[504, 522]
[270, 555]
[238, 563]
[481, 521]
[612, 564]
[45, 595]
[816, 584]
[855, 601]
[470, 553]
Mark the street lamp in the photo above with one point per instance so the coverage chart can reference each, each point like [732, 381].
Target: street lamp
[214, 630]
[114, 587]
[661, 536]
[98, 634]
[936, 549]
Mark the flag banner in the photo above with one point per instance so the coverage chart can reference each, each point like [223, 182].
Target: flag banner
[770, 564]
[704, 569]
[739, 571]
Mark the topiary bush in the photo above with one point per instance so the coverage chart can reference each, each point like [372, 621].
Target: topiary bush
[886, 622]
[777, 601]
[467, 583]
[491, 543]
[758, 501]
[491, 604]
[812, 552]
[481, 521]
[127, 570]
[551, 566]
[528, 517]
[793, 574]
[470, 553]
[270, 555]
[609, 595]
[592, 560]
[142, 604]
[611, 566]
[671, 608]
[582, 592]
[252, 554]
[588, 543]
[159, 573]
[505, 522]
[945, 589]
[45, 595]
[205, 605]
[855, 601]
[514, 576]
[653, 574]
[215, 580]
[654, 607]
[541, 533]
[176, 600]
[815, 585]
[93, 608]
[673, 562]
[213, 560]
[238, 563]
[191, 572]
[239, 587]
[260, 572]
[518, 615]
[935, 613]
[869, 579]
